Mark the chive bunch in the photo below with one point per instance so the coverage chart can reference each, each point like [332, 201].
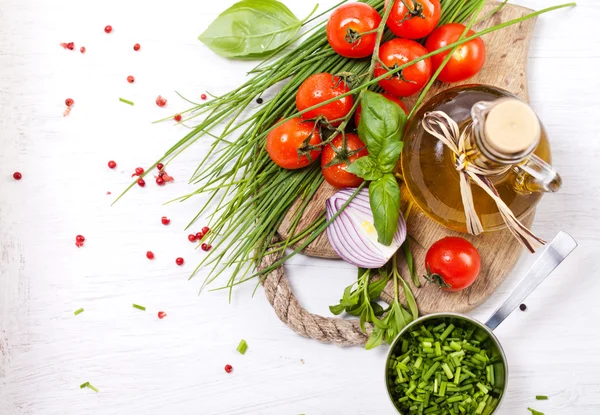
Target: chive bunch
[446, 367]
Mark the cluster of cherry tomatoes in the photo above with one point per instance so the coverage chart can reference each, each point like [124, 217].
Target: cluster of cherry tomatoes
[351, 32]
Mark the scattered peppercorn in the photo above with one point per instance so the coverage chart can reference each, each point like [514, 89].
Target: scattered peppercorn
[523, 307]
[150, 255]
[69, 102]
[161, 314]
[259, 100]
[108, 29]
[130, 79]
[165, 221]
[82, 49]
[112, 164]
[136, 47]
[17, 175]
[179, 261]
[203, 96]
[228, 368]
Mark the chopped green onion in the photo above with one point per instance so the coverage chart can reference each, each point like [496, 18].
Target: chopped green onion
[139, 307]
[534, 412]
[126, 101]
[77, 312]
[242, 347]
[459, 375]
[89, 386]
[541, 397]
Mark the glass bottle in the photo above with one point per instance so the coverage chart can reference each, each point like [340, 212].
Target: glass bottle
[502, 133]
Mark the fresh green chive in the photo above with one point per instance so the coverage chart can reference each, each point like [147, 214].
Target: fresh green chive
[139, 307]
[534, 412]
[541, 397]
[126, 101]
[242, 347]
[89, 386]
[77, 312]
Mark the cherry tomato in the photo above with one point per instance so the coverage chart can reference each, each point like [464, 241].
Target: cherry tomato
[336, 174]
[453, 263]
[416, 22]
[410, 80]
[388, 96]
[319, 88]
[285, 144]
[345, 26]
[466, 61]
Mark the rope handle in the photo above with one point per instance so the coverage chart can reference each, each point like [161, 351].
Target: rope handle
[333, 330]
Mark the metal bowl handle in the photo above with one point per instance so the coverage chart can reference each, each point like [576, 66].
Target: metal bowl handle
[555, 253]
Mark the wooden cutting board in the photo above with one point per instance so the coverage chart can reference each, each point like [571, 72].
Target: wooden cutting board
[505, 67]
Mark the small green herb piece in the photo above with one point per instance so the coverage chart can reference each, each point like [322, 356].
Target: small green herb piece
[242, 347]
[251, 29]
[89, 386]
[534, 412]
[77, 312]
[541, 398]
[126, 101]
[443, 367]
[139, 307]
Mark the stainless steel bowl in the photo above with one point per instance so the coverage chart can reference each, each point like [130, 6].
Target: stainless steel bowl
[556, 252]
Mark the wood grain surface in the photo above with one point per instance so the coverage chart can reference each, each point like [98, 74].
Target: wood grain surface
[505, 67]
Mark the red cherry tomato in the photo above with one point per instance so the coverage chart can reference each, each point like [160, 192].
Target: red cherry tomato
[336, 174]
[416, 22]
[453, 263]
[286, 142]
[388, 96]
[319, 88]
[466, 61]
[410, 80]
[345, 26]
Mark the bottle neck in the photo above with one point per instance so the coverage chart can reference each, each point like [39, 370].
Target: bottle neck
[501, 134]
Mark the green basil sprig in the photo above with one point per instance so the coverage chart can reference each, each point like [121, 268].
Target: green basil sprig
[251, 29]
[381, 127]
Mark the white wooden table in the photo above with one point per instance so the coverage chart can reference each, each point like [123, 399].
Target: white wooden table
[143, 365]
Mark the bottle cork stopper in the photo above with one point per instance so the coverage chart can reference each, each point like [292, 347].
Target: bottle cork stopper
[512, 127]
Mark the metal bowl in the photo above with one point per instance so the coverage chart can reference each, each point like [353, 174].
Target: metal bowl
[457, 320]
[554, 254]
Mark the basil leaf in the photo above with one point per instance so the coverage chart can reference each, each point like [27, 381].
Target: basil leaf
[365, 168]
[388, 158]
[251, 29]
[381, 125]
[384, 197]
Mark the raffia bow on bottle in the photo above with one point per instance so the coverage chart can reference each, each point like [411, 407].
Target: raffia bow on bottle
[444, 128]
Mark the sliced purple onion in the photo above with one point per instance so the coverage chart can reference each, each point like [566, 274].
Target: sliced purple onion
[353, 235]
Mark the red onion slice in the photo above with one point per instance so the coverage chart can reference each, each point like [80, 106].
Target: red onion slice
[353, 235]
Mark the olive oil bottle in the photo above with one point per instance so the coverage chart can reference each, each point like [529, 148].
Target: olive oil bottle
[502, 134]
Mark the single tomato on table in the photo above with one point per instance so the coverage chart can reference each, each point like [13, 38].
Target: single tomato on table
[388, 96]
[335, 159]
[414, 19]
[466, 61]
[409, 80]
[289, 144]
[453, 263]
[322, 87]
[346, 26]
